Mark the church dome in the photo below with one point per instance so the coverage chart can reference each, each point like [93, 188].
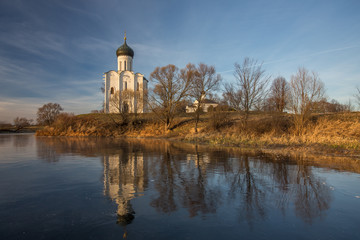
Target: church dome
[125, 50]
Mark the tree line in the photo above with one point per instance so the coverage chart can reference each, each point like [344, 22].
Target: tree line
[252, 90]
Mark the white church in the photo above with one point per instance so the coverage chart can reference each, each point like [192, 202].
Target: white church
[125, 91]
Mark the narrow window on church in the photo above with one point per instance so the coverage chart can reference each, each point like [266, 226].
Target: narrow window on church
[120, 65]
[125, 85]
[137, 86]
[124, 65]
[112, 91]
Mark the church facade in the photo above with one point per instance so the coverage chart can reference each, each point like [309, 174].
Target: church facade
[125, 91]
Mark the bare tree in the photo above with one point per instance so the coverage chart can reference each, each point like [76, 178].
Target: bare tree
[115, 102]
[323, 106]
[21, 122]
[205, 81]
[349, 107]
[47, 114]
[279, 92]
[102, 109]
[171, 87]
[102, 88]
[232, 97]
[119, 103]
[251, 84]
[335, 106]
[305, 89]
[127, 101]
[357, 96]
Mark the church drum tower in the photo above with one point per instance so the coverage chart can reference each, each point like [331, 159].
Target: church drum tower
[125, 91]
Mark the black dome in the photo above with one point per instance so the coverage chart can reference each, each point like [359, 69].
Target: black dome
[125, 50]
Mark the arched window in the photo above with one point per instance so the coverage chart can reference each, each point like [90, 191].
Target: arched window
[124, 65]
[120, 65]
[125, 85]
[112, 90]
[137, 86]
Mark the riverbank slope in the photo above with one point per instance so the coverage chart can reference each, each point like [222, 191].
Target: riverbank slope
[337, 134]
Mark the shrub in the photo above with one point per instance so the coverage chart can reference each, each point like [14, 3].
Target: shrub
[218, 118]
[276, 123]
[21, 123]
[64, 121]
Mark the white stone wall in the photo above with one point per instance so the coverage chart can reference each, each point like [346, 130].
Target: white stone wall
[140, 87]
[112, 85]
[132, 87]
[204, 106]
[207, 105]
[125, 63]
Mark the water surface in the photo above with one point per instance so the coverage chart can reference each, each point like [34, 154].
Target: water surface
[102, 188]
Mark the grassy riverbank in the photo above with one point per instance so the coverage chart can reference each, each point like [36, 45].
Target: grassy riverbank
[332, 133]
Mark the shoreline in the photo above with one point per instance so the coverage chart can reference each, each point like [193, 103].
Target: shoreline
[16, 132]
[341, 161]
[302, 149]
[278, 149]
[335, 135]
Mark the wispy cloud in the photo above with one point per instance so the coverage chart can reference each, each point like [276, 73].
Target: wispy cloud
[301, 57]
[40, 43]
[312, 54]
[82, 11]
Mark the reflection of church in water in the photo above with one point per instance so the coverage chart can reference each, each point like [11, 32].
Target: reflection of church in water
[125, 175]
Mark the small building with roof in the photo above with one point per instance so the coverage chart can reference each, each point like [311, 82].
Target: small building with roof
[125, 90]
[205, 105]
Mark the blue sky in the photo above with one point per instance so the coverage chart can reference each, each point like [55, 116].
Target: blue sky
[57, 50]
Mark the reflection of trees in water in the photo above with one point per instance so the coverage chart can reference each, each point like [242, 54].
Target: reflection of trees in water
[46, 150]
[5, 139]
[247, 188]
[165, 184]
[197, 196]
[179, 182]
[311, 195]
[200, 179]
[295, 182]
[262, 180]
[282, 173]
[252, 182]
[17, 140]
[22, 140]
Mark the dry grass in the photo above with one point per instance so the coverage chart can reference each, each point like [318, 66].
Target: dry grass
[335, 132]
